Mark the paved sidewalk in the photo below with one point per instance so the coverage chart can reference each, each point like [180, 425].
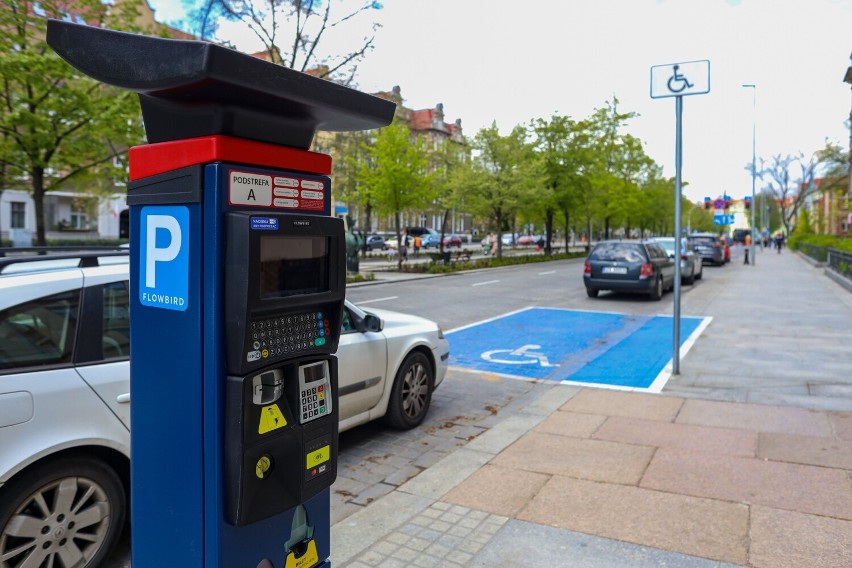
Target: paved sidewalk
[730, 466]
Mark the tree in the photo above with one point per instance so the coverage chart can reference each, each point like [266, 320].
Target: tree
[291, 31]
[58, 126]
[499, 175]
[447, 186]
[395, 173]
[789, 189]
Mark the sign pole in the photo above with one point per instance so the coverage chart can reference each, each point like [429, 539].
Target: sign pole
[678, 80]
[677, 229]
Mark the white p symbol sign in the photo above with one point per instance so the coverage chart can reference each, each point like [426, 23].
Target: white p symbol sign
[153, 255]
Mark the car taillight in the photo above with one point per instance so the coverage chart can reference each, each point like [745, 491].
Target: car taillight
[587, 268]
[646, 270]
[684, 257]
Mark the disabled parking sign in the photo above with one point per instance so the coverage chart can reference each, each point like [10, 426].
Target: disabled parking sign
[680, 79]
[164, 257]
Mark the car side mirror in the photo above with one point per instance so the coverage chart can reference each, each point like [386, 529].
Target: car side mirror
[373, 323]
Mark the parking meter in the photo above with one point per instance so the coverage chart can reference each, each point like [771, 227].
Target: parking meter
[237, 275]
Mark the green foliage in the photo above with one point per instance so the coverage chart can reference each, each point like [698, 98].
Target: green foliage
[396, 173]
[490, 262]
[502, 176]
[803, 224]
[58, 128]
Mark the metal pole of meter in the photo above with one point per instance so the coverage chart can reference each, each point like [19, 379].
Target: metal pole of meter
[677, 224]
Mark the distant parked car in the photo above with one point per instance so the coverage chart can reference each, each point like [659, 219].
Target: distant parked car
[375, 242]
[452, 241]
[429, 240]
[691, 265]
[509, 239]
[628, 266]
[709, 247]
[529, 240]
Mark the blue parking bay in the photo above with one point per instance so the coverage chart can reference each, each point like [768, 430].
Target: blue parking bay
[594, 348]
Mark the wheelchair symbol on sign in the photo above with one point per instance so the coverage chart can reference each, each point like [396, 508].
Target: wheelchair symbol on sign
[678, 82]
[525, 355]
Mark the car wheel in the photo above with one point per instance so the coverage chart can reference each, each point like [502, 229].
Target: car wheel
[691, 279]
[412, 392]
[657, 290]
[700, 274]
[67, 512]
[592, 292]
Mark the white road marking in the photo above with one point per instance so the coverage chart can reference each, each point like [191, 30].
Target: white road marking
[548, 272]
[485, 283]
[378, 300]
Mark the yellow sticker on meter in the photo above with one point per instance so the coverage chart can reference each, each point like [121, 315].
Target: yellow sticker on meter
[321, 455]
[307, 560]
[271, 419]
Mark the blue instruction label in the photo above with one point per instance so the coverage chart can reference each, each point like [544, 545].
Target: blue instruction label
[264, 223]
[164, 258]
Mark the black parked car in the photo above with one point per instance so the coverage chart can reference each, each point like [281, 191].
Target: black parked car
[709, 246]
[628, 266]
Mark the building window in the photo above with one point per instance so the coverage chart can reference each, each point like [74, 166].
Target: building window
[19, 215]
[79, 219]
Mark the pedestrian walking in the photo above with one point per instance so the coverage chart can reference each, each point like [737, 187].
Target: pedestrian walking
[418, 242]
[747, 247]
[403, 246]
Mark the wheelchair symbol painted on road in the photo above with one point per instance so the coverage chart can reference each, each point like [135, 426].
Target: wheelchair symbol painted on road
[525, 355]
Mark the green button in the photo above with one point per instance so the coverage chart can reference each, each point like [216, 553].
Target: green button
[319, 341]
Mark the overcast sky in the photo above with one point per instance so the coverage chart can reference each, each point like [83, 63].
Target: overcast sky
[510, 62]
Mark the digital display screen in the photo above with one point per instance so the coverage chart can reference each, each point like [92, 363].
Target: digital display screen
[292, 266]
[314, 373]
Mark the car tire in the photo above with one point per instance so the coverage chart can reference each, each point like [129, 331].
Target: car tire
[700, 274]
[691, 280]
[592, 292]
[75, 490]
[411, 393]
[657, 291]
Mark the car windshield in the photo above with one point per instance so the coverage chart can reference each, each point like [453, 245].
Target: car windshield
[703, 240]
[622, 252]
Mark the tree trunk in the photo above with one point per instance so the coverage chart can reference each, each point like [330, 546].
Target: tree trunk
[567, 215]
[368, 219]
[443, 230]
[399, 244]
[548, 229]
[38, 198]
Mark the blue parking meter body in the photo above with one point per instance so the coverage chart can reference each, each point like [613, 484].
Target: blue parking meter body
[237, 275]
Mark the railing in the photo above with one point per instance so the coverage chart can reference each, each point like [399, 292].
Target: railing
[816, 252]
[840, 262]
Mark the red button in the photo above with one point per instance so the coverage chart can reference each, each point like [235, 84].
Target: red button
[320, 388]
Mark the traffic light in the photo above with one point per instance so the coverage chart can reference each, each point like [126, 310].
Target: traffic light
[708, 203]
[747, 201]
[727, 200]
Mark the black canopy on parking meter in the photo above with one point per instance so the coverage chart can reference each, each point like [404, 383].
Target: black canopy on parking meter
[237, 285]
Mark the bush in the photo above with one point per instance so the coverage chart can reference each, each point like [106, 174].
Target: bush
[824, 241]
[490, 262]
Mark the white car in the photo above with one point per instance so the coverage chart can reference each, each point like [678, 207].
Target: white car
[65, 399]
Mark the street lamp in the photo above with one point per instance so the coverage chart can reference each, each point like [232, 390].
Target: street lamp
[848, 79]
[753, 162]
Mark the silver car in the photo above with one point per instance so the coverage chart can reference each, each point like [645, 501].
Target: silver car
[65, 399]
[691, 264]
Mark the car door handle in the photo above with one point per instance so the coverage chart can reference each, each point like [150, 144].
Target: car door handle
[123, 398]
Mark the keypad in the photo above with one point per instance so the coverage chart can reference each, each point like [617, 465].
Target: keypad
[313, 402]
[285, 335]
